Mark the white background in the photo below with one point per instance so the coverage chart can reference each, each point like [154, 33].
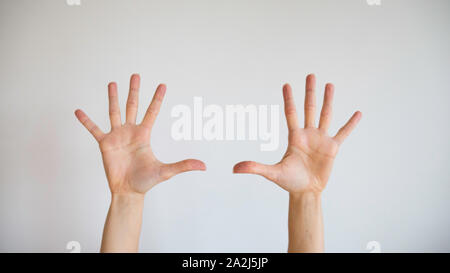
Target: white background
[390, 181]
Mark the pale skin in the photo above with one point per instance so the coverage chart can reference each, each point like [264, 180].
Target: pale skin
[130, 165]
[306, 166]
[132, 169]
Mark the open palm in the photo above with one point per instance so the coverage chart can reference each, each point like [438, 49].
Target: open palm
[128, 159]
[307, 163]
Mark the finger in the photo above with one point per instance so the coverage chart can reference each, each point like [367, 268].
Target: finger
[268, 171]
[348, 127]
[310, 100]
[90, 126]
[327, 108]
[114, 110]
[169, 170]
[289, 108]
[133, 99]
[155, 105]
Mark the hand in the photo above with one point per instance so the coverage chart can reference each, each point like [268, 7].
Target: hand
[307, 163]
[129, 163]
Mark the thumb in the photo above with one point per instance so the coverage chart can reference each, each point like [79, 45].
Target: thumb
[268, 171]
[169, 170]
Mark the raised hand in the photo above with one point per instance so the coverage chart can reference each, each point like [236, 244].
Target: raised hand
[305, 167]
[307, 163]
[130, 166]
[129, 163]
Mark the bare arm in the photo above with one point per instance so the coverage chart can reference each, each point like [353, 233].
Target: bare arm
[305, 223]
[305, 168]
[130, 166]
[123, 224]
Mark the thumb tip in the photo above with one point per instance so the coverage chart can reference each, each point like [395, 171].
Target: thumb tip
[240, 167]
[198, 165]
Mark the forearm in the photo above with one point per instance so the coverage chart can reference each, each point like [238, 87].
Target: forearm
[305, 223]
[123, 223]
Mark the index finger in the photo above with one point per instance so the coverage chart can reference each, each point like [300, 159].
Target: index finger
[155, 105]
[290, 110]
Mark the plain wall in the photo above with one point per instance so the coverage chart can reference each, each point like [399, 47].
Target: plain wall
[390, 181]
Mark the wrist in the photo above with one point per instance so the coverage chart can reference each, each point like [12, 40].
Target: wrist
[127, 199]
[306, 195]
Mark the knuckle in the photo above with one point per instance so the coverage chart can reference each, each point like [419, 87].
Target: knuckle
[326, 113]
[290, 110]
[132, 105]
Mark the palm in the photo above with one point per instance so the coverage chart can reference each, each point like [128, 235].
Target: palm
[308, 161]
[128, 159]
